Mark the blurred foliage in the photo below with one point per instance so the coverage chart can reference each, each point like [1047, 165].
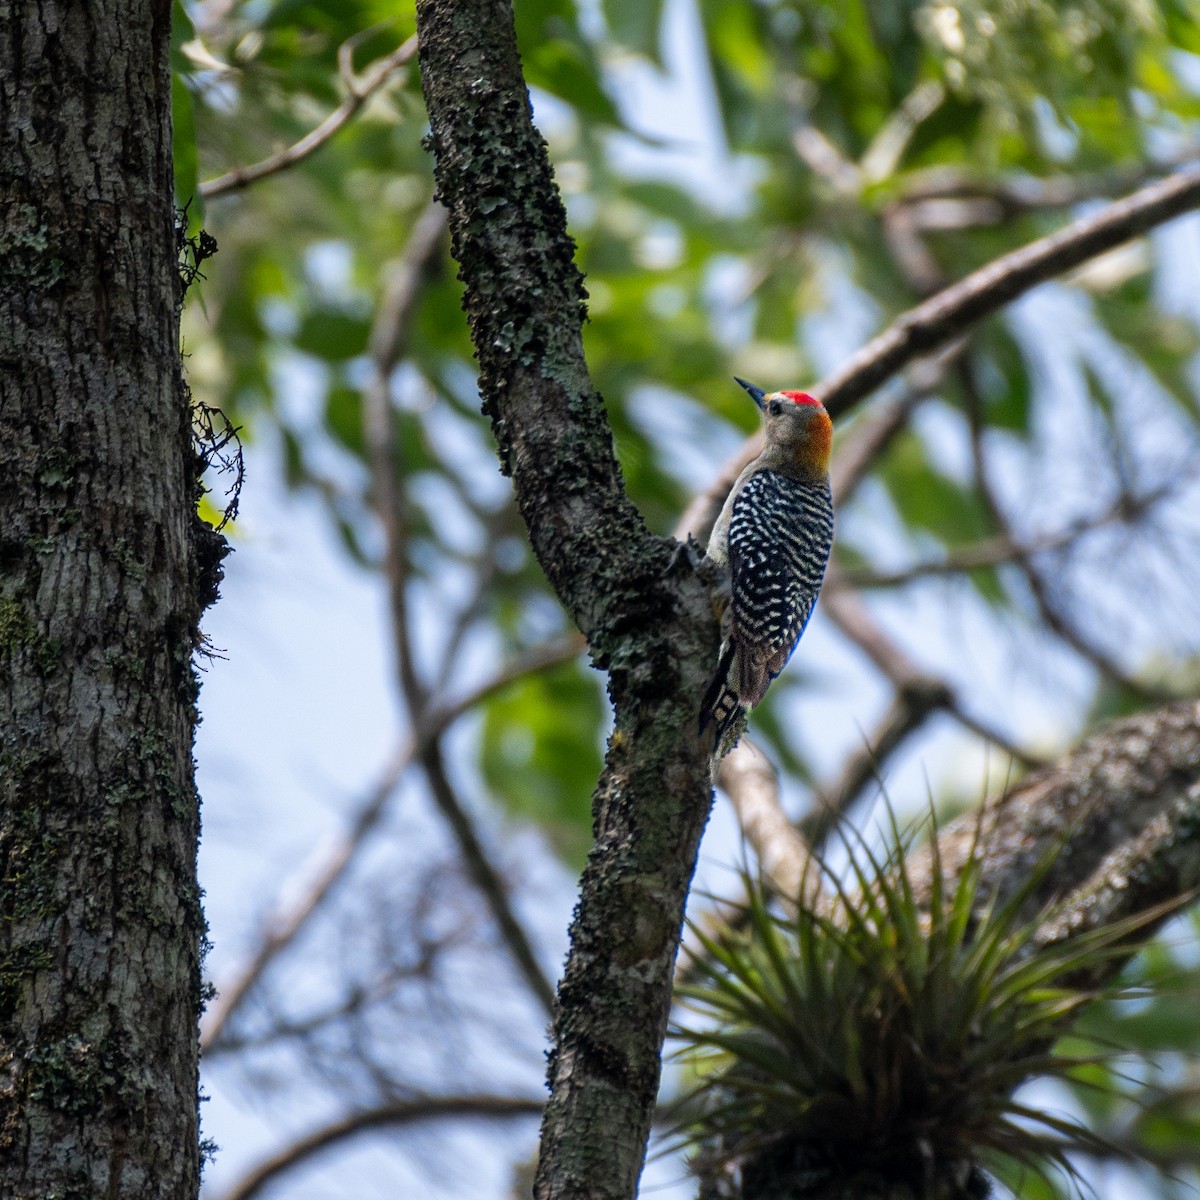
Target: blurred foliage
[846, 156]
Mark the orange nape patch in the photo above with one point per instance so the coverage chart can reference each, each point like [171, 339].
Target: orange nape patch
[812, 451]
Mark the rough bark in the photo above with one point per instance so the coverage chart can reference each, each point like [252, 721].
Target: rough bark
[1118, 818]
[100, 921]
[644, 607]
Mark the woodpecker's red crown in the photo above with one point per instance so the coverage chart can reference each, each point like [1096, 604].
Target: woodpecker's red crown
[761, 398]
[801, 398]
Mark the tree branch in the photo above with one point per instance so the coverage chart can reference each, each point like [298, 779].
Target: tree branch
[383, 1116]
[644, 610]
[953, 310]
[1118, 818]
[486, 877]
[945, 316]
[995, 551]
[1052, 617]
[751, 782]
[525, 304]
[283, 929]
[359, 91]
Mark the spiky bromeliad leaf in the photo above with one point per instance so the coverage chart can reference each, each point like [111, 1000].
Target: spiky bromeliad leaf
[884, 1031]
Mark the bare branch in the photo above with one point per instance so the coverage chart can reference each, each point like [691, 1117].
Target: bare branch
[282, 929]
[405, 278]
[383, 1116]
[486, 877]
[358, 92]
[820, 155]
[359, 996]
[850, 615]
[945, 316]
[751, 782]
[949, 313]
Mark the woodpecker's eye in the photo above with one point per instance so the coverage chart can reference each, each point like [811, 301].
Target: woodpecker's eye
[775, 408]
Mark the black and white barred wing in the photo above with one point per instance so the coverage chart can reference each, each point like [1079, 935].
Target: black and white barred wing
[780, 534]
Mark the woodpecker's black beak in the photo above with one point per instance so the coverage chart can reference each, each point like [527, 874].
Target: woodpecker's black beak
[756, 393]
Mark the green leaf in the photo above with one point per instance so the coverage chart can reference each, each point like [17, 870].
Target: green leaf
[928, 500]
[539, 754]
[636, 24]
[332, 335]
[344, 416]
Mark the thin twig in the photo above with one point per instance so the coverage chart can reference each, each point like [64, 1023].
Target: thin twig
[850, 615]
[487, 878]
[384, 1116]
[497, 524]
[998, 550]
[1020, 194]
[1065, 629]
[1048, 610]
[387, 342]
[359, 89]
[281, 930]
[354, 1001]
[912, 705]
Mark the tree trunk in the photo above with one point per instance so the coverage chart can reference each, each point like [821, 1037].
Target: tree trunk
[100, 921]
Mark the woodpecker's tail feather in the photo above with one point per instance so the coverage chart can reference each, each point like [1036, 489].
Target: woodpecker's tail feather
[753, 675]
[721, 703]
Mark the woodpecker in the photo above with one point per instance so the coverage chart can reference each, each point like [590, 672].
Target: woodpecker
[773, 535]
